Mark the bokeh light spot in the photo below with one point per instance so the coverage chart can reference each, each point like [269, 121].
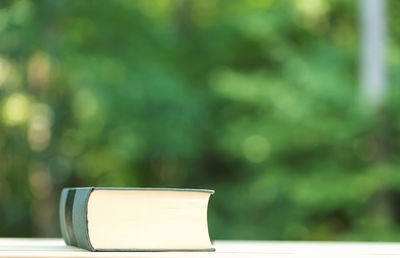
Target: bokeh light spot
[85, 105]
[39, 67]
[16, 109]
[40, 180]
[256, 148]
[39, 133]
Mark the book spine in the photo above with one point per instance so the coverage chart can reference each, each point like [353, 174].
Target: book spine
[63, 200]
[73, 217]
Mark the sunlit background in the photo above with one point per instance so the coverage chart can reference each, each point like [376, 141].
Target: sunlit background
[261, 101]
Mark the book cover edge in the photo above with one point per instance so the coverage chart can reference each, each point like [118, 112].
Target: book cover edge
[79, 223]
[153, 250]
[145, 189]
[86, 219]
[63, 198]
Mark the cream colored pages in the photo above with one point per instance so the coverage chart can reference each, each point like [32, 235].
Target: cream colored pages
[143, 219]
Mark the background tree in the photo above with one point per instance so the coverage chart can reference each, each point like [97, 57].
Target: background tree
[258, 100]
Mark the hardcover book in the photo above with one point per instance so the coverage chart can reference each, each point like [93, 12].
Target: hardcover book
[135, 219]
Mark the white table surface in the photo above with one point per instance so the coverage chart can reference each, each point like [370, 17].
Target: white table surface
[36, 247]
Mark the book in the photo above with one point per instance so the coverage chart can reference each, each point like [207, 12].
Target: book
[135, 219]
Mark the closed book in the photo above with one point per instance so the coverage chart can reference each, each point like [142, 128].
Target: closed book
[135, 219]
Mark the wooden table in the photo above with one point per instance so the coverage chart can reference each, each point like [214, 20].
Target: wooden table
[32, 247]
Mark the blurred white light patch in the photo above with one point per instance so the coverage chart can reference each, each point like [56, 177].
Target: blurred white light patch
[5, 68]
[256, 148]
[39, 130]
[16, 109]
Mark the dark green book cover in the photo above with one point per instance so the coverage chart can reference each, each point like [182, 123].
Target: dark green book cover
[74, 223]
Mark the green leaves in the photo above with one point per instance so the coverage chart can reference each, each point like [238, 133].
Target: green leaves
[256, 99]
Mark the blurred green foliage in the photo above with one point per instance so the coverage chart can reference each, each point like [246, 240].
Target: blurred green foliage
[256, 99]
